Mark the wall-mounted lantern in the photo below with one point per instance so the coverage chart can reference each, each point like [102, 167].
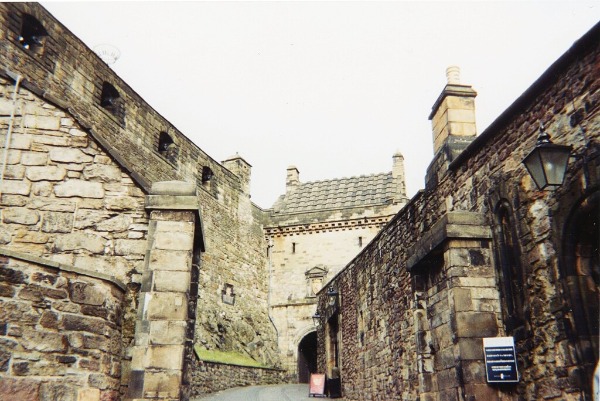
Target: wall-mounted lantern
[547, 162]
[332, 295]
[316, 319]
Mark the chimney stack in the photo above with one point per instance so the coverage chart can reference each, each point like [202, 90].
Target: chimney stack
[453, 115]
[398, 177]
[292, 178]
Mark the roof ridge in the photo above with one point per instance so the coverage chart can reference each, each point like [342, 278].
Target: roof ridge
[347, 178]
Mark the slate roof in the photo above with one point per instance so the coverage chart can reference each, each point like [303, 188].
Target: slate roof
[375, 189]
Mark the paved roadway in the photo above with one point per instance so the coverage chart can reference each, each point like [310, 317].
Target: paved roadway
[284, 392]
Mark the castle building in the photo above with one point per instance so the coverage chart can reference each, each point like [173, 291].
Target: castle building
[133, 266]
[314, 230]
[485, 286]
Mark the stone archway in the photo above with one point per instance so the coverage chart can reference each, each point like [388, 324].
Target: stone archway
[307, 357]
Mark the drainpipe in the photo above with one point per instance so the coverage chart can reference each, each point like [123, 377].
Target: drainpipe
[10, 128]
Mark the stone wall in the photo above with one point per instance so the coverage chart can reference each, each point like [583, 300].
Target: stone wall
[416, 303]
[209, 377]
[78, 170]
[60, 336]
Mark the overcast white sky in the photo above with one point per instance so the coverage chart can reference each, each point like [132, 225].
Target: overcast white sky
[334, 88]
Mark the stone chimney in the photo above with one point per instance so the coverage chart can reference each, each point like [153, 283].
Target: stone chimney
[453, 125]
[453, 115]
[398, 177]
[242, 169]
[292, 179]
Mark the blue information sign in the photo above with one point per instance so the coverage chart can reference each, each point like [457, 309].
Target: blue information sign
[500, 360]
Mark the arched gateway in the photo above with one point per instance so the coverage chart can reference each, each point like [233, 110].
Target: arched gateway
[307, 357]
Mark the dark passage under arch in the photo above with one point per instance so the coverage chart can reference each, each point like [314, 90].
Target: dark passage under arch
[307, 357]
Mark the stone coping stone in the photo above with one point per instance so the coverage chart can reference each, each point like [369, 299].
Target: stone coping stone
[175, 188]
[62, 267]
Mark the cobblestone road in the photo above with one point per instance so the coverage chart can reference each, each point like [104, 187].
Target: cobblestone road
[284, 392]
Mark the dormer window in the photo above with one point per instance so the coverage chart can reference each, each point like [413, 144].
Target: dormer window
[32, 35]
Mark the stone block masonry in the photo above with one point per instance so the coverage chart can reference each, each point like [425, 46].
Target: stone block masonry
[209, 377]
[75, 181]
[60, 331]
[166, 312]
[482, 252]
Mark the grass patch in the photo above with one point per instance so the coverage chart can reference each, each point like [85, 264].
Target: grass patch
[227, 357]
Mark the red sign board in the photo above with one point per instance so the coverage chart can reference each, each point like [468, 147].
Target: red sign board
[317, 385]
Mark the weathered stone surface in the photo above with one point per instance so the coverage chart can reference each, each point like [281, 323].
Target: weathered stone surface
[86, 324]
[34, 158]
[46, 173]
[58, 391]
[44, 341]
[18, 141]
[79, 188]
[88, 394]
[89, 294]
[20, 389]
[69, 155]
[42, 122]
[170, 260]
[15, 187]
[175, 241]
[122, 203]
[5, 235]
[14, 172]
[168, 357]
[166, 306]
[13, 276]
[476, 324]
[117, 223]
[42, 188]
[130, 247]
[102, 172]
[20, 215]
[171, 281]
[165, 383]
[55, 222]
[79, 241]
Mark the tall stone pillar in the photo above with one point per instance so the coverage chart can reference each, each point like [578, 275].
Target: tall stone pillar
[164, 328]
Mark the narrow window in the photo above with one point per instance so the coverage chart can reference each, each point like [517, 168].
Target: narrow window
[207, 174]
[164, 140]
[360, 241]
[293, 247]
[109, 99]
[33, 34]
[167, 147]
[510, 272]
